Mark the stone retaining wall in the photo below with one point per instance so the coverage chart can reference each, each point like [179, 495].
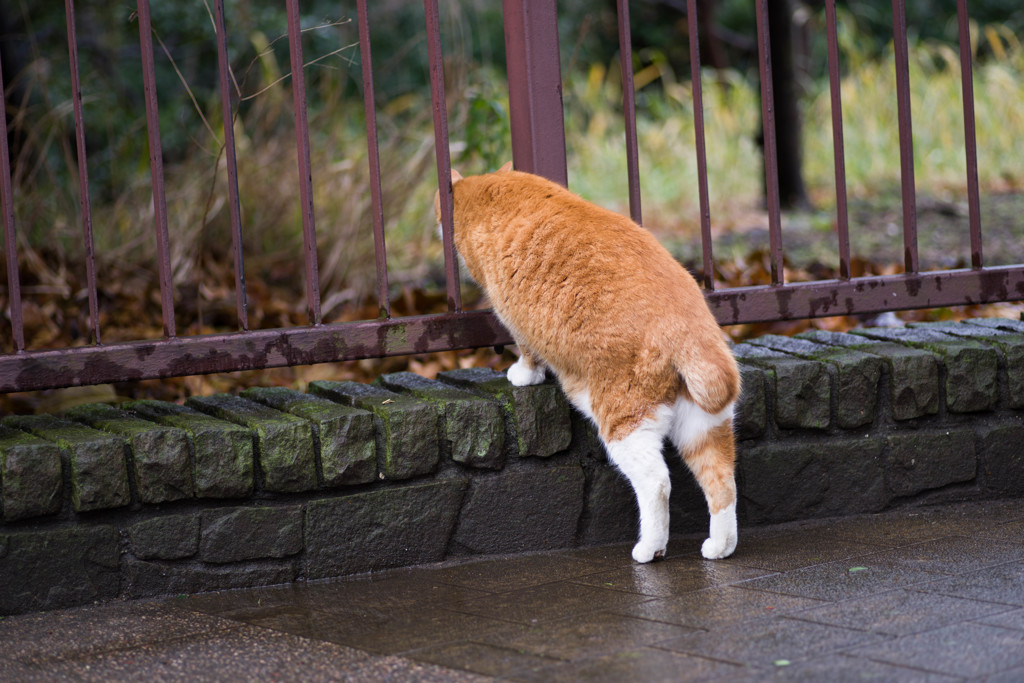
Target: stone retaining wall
[274, 486]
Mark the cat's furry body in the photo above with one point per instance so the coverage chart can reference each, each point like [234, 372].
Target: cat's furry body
[624, 327]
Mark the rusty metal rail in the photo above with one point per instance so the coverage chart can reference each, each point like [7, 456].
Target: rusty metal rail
[538, 144]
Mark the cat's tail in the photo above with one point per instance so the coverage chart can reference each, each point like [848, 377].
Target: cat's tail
[710, 373]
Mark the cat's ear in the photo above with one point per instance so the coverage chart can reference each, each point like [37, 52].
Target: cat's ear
[456, 176]
[506, 167]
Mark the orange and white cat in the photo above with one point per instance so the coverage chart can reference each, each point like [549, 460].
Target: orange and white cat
[625, 328]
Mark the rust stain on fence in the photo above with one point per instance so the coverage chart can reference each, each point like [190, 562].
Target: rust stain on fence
[538, 144]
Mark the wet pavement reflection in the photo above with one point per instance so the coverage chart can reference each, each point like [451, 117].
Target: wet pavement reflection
[933, 593]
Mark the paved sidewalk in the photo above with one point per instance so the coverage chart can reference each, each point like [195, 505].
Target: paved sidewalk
[924, 594]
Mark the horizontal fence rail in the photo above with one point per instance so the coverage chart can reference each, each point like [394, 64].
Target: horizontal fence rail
[539, 146]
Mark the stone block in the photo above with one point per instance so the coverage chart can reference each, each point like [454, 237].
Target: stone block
[1010, 346]
[751, 409]
[223, 456]
[855, 375]
[284, 443]
[42, 570]
[1000, 449]
[160, 457]
[406, 428]
[1007, 324]
[913, 374]
[30, 475]
[610, 511]
[344, 436]
[250, 533]
[146, 579]
[972, 369]
[537, 418]
[472, 426]
[800, 389]
[795, 479]
[168, 537]
[99, 472]
[392, 527]
[917, 461]
[528, 509]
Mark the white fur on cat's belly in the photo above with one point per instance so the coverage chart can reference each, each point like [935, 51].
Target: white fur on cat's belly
[638, 456]
[521, 376]
[722, 535]
[690, 422]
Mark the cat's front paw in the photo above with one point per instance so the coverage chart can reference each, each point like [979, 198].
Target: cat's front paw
[644, 553]
[521, 376]
[722, 538]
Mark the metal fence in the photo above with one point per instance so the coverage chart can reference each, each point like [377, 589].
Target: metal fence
[538, 142]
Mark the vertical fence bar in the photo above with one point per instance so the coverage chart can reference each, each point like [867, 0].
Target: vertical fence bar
[899, 30]
[373, 156]
[442, 152]
[771, 156]
[83, 172]
[838, 145]
[970, 134]
[156, 165]
[702, 158]
[629, 107]
[10, 240]
[535, 88]
[224, 72]
[305, 168]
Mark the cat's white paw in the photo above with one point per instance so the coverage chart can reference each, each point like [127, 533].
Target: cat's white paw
[644, 552]
[722, 536]
[521, 376]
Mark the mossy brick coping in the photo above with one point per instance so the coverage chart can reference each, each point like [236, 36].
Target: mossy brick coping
[284, 443]
[277, 485]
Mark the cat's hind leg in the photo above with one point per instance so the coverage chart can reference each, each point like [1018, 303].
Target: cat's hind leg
[638, 456]
[707, 445]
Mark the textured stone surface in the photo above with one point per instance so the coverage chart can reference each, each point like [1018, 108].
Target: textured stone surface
[390, 527]
[143, 579]
[536, 508]
[855, 375]
[159, 454]
[786, 480]
[284, 443]
[1001, 457]
[58, 568]
[913, 374]
[344, 436]
[406, 429]
[250, 533]
[536, 417]
[168, 537]
[751, 410]
[971, 367]
[99, 474]
[920, 460]
[610, 513]
[223, 455]
[801, 389]
[30, 475]
[1009, 344]
[472, 426]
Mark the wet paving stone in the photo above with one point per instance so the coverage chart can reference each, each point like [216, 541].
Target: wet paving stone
[716, 607]
[969, 650]
[644, 664]
[900, 612]
[763, 643]
[922, 594]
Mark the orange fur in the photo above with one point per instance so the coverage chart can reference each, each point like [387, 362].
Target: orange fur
[596, 298]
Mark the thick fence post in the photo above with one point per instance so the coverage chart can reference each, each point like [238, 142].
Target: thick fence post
[535, 88]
